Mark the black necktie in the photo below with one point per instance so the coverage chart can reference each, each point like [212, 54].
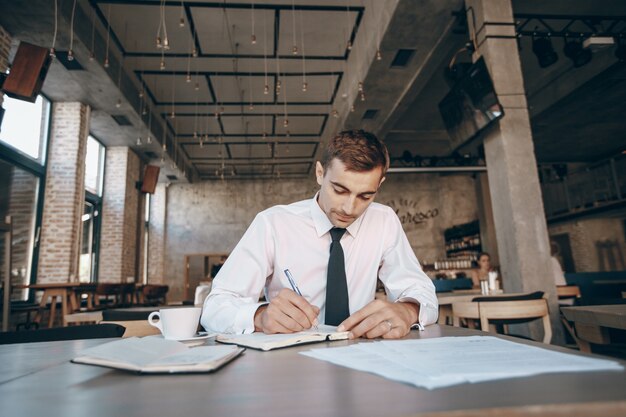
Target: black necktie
[337, 305]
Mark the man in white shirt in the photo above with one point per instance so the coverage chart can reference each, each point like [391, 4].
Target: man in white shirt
[297, 237]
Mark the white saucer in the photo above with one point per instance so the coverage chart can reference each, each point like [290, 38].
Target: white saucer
[196, 337]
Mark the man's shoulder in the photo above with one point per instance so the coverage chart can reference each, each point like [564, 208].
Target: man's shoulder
[297, 208]
[379, 209]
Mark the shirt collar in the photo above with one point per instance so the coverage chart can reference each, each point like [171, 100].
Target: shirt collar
[323, 224]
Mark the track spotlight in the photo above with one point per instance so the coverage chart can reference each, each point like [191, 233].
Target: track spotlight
[542, 48]
[574, 50]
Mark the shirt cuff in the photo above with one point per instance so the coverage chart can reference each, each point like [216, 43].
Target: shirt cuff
[427, 313]
[244, 320]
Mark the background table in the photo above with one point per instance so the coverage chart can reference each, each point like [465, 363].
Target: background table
[592, 323]
[284, 383]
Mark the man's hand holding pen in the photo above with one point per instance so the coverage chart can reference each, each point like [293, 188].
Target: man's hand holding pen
[288, 312]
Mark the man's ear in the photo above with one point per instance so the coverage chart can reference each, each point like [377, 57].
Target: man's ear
[319, 172]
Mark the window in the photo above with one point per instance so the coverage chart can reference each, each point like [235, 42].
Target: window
[94, 166]
[90, 233]
[23, 141]
[25, 126]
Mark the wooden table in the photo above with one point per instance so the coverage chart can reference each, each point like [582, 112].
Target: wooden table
[37, 379]
[592, 323]
[69, 294]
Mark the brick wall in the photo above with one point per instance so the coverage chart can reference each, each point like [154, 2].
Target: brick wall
[156, 244]
[597, 244]
[5, 48]
[64, 193]
[120, 231]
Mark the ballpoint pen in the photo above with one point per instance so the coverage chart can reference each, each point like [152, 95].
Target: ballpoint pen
[294, 287]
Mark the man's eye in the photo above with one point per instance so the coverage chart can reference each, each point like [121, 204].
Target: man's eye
[339, 191]
[366, 197]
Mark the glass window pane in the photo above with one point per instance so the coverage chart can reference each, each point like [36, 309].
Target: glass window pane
[18, 199]
[94, 166]
[25, 126]
[86, 251]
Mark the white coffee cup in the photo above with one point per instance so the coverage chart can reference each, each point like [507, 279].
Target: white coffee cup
[176, 323]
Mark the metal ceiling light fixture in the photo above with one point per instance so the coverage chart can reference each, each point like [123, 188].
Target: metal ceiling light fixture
[574, 50]
[543, 50]
[54, 36]
[181, 21]
[266, 88]
[348, 29]
[70, 52]
[304, 83]
[92, 55]
[294, 48]
[106, 56]
[252, 36]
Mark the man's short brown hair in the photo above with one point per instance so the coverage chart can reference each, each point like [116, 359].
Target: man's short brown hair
[359, 150]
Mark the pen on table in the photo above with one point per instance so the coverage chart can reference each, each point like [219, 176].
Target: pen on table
[294, 287]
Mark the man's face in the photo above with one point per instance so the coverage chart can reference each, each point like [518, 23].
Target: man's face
[344, 195]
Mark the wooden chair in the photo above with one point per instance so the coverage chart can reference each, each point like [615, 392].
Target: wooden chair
[568, 292]
[490, 313]
[155, 294]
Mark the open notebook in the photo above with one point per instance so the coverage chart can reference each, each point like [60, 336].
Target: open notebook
[157, 355]
[264, 341]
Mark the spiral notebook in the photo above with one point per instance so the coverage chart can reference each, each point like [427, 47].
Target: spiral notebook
[262, 341]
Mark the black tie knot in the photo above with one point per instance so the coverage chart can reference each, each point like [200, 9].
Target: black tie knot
[336, 233]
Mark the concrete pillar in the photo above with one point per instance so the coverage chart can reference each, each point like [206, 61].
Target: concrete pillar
[488, 239]
[156, 235]
[64, 193]
[120, 238]
[517, 204]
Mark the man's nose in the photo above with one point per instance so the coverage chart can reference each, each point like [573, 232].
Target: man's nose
[349, 205]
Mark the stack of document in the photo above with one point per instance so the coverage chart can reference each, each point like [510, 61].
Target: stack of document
[445, 361]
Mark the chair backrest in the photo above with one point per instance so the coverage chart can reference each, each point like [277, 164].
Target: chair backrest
[505, 310]
[567, 291]
[90, 331]
[514, 311]
[155, 293]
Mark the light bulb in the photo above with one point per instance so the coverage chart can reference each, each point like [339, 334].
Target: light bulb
[194, 52]
[352, 108]
[253, 39]
[360, 86]
[188, 78]
[251, 106]
[139, 141]
[335, 114]
[149, 140]
[159, 44]
[304, 86]
[197, 86]
[70, 55]
[378, 55]
[166, 43]
[162, 65]
[349, 46]
[195, 135]
[181, 22]
[92, 56]
[119, 103]
[106, 62]
[286, 123]
[53, 53]
[266, 89]
[173, 115]
[294, 50]
[141, 94]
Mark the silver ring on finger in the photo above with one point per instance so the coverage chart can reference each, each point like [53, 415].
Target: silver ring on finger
[388, 323]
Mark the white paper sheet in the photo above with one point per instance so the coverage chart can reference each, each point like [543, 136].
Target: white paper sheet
[445, 361]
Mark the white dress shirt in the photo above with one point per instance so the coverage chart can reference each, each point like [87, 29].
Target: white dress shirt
[296, 237]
